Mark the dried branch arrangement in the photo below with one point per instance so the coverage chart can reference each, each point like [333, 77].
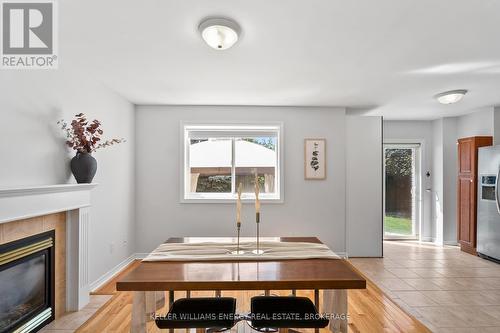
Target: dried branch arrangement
[84, 136]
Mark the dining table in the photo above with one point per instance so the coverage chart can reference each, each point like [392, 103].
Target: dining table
[151, 281]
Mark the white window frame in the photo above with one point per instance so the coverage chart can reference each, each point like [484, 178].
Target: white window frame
[215, 129]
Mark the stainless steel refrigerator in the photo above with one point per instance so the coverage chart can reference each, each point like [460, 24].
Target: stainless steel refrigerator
[488, 202]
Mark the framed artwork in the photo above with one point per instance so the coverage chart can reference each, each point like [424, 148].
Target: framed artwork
[315, 159]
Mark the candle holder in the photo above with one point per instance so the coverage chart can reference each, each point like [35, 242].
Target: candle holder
[238, 251]
[258, 251]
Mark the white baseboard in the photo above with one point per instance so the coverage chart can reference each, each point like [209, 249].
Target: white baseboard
[433, 240]
[112, 272]
[343, 255]
[141, 255]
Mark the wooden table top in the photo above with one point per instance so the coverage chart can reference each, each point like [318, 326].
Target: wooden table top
[242, 275]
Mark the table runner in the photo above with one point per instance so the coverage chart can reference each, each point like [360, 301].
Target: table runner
[207, 251]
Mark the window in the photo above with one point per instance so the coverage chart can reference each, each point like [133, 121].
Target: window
[218, 158]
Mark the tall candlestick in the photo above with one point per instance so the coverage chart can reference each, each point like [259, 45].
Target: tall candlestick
[238, 221]
[257, 201]
[257, 214]
[238, 205]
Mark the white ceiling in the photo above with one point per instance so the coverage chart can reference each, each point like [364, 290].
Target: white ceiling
[386, 57]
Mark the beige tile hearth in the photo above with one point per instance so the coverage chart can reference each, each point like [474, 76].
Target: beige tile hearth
[71, 321]
[444, 288]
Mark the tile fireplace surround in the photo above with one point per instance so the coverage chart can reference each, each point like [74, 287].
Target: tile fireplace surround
[72, 199]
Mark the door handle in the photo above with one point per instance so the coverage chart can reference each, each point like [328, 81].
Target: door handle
[496, 191]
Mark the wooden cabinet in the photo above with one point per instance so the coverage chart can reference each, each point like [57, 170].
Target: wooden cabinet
[467, 190]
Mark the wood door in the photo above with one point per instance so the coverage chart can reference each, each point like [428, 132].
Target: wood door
[466, 220]
[466, 151]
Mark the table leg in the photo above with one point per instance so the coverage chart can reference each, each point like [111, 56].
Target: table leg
[316, 304]
[171, 300]
[335, 303]
[154, 301]
[144, 304]
[138, 324]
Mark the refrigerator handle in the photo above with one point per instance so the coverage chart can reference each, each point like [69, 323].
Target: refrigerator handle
[496, 191]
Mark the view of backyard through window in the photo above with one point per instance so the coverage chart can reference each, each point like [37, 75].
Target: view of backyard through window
[219, 161]
[399, 194]
[252, 156]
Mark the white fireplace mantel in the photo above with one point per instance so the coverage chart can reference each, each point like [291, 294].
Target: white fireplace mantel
[27, 202]
[74, 199]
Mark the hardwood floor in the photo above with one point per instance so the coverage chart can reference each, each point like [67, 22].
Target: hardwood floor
[370, 310]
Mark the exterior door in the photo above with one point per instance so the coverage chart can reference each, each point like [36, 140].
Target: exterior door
[402, 192]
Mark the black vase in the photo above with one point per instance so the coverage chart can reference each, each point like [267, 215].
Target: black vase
[83, 167]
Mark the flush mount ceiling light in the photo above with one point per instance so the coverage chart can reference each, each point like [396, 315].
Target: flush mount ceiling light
[450, 97]
[219, 33]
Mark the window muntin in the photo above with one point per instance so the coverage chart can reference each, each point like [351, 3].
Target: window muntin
[219, 158]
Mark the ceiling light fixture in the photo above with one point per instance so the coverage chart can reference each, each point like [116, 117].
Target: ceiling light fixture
[450, 97]
[219, 33]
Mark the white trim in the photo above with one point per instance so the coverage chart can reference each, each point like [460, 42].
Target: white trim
[15, 191]
[28, 202]
[452, 243]
[342, 255]
[141, 255]
[74, 199]
[421, 188]
[246, 198]
[112, 272]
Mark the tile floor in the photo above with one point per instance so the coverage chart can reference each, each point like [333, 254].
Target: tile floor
[446, 289]
[71, 321]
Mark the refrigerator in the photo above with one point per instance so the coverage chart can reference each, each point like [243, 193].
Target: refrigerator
[488, 203]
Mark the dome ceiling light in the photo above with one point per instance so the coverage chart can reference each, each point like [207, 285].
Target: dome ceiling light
[219, 33]
[450, 97]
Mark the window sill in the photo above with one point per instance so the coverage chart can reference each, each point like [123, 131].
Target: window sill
[195, 200]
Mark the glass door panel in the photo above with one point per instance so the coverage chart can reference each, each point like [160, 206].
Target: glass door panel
[401, 191]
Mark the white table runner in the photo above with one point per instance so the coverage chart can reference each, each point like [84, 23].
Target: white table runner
[207, 251]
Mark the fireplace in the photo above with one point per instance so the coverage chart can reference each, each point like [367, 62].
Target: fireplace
[27, 283]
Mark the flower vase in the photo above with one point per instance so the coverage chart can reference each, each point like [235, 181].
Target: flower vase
[83, 167]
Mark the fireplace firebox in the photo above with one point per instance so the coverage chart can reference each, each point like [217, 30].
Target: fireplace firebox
[27, 283]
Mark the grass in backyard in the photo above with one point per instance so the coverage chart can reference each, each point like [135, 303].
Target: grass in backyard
[397, 225]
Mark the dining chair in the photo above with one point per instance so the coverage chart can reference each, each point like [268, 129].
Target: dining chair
[214, 314]
[283, 312]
